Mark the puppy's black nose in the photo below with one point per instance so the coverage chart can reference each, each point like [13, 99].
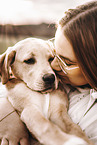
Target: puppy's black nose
[48, 78]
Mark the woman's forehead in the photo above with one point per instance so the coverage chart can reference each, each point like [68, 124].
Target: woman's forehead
[63, 46]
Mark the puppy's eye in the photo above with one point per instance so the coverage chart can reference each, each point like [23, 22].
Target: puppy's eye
[30, 61]
[51, 59]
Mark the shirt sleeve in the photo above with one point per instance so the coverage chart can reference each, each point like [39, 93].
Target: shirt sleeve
[82, 110]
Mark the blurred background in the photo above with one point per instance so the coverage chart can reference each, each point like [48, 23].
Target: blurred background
[20, 19]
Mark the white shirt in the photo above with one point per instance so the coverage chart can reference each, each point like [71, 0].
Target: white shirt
[83, 110]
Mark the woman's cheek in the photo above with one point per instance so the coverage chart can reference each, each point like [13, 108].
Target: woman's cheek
[77, 80]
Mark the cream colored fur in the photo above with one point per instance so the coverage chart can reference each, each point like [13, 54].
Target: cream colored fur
[42, 105]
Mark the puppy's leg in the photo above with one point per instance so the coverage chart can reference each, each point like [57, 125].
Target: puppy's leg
[60, 117]
[44, 130]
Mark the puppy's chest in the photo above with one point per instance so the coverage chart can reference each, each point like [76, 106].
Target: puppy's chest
[46, 106]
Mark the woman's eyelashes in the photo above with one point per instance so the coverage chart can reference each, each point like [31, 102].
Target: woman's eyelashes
[30, 61]
[67, 61]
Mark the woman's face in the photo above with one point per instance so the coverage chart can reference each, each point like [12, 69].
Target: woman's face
[65, 51]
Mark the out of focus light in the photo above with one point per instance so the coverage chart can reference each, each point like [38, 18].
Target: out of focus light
[14, 11]
[19, 12]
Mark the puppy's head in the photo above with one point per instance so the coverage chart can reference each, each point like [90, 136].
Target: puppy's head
[30, 61]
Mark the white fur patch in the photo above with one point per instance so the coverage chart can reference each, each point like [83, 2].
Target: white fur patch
[46, 105]
[75, 141]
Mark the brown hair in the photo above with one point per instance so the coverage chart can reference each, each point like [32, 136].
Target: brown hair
[80, 28]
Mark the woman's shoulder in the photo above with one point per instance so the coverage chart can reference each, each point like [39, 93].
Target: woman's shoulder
[82, 110]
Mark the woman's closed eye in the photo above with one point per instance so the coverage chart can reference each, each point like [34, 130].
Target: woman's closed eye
[67, 61]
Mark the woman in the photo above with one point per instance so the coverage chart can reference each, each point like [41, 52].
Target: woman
[75, 64]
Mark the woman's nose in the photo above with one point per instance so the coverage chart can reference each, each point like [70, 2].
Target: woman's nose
[55, 65]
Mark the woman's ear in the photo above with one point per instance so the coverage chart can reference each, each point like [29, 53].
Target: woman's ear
[6, 60]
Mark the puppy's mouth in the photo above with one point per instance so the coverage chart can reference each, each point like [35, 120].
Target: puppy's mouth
[49, 83]
[47, 90]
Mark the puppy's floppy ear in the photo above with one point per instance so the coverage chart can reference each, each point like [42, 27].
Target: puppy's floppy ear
[6, 60]
[2, 57]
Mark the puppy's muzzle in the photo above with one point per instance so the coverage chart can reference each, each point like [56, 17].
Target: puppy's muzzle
[49, 81]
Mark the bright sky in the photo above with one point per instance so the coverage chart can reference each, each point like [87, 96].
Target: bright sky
[34, 11]
[13, 11]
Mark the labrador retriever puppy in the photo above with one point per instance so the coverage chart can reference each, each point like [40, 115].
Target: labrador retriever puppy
[37, 95]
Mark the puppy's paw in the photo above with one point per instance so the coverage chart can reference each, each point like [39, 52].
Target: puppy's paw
[6, 141]
[75, 141]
